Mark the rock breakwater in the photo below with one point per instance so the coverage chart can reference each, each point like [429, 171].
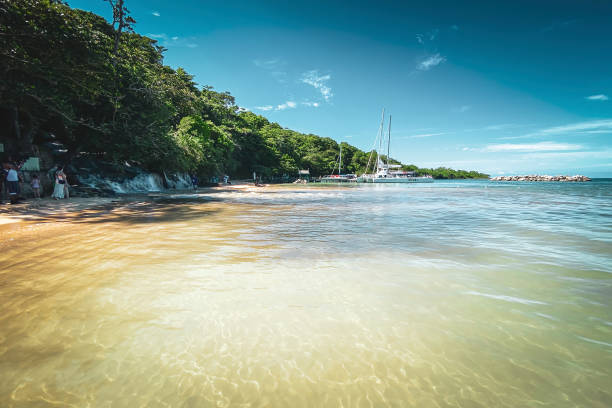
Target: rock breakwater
[577, 178]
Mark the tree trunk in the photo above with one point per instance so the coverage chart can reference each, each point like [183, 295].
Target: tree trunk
[27, 136]
[119, 18]
[15, 123]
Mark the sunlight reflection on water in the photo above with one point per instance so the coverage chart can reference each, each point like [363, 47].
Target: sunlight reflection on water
[466, 294]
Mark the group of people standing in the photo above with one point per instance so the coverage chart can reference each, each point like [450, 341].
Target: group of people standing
[11, 179]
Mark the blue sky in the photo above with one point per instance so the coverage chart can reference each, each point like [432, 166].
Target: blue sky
[502, 87]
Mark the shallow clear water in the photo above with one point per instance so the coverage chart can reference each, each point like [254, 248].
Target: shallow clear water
[448, 294]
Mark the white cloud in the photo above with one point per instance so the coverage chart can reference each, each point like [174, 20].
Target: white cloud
[318, 81]
[597, 132]
[601, 154]
[430, 62]
[502, 126]
[288, 104]
[426, 135]
[271, 63]
[428, 36]
[580, 127]
[599, 97]
[156, 13]
[166, 41]
[533, 147]
[588, 127]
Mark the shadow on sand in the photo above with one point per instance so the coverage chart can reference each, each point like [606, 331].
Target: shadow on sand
[131, 210]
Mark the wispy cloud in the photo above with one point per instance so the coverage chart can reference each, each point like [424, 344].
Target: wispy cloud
[599, 126]
[595, 154]
[428, 36]
[580, 127]
[319, 82]
[430, 61]
[174, 41]
[421, 135]
[532, 147]
[599, 97]
[156, 13]
[313, 104]
[282, 106]
[502, 126]
[286, 105]
[454, 27]
[270, 63]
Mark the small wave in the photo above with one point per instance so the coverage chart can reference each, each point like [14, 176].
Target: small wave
[601, 343]
[507, 298]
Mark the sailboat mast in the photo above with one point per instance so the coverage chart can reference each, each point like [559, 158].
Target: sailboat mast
[379, 134]
[389, 142]
[380, 141]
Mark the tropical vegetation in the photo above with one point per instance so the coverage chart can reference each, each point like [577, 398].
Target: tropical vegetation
[99, 87]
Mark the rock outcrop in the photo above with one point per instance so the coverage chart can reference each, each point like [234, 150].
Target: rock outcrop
[577, 178]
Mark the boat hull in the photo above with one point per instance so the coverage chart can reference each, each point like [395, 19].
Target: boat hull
[396, 180]
[337, 180]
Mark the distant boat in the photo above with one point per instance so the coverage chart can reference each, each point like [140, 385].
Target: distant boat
[339, 178]
[387, 172]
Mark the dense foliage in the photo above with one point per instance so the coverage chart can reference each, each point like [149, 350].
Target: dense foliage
[99, 87]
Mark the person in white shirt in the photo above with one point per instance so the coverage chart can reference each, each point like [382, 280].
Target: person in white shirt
[12, 183]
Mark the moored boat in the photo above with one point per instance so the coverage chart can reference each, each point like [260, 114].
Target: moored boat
[339, 178]
[388, 172]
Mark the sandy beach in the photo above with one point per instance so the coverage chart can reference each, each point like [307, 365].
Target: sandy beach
[80, 209]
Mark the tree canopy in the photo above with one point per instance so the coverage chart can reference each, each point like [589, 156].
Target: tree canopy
[102, 88]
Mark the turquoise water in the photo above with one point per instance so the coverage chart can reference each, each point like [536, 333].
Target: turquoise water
[567, 225]
[451, 294]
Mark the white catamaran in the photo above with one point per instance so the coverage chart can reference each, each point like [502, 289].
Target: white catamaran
[387, 172]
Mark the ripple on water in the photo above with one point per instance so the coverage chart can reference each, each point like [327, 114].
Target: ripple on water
[444, 295]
